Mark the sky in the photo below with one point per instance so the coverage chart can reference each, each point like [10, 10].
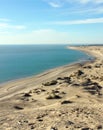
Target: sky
[51, 21]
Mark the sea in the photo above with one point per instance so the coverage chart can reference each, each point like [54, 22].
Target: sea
[20, 61]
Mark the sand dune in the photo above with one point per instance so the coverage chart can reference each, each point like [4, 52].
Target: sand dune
[64, 98]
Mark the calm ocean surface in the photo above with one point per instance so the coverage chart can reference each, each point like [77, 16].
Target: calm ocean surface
[17, 61]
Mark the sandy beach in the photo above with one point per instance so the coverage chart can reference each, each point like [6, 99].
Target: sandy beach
[65, 98]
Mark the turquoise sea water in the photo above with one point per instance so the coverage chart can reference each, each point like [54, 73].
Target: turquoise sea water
[17, 61]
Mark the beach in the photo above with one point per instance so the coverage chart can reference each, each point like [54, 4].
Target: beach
[69, 97]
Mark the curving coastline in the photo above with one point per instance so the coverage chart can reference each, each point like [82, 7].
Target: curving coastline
[67, 97]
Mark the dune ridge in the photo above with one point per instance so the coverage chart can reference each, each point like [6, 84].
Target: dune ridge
[65, 98]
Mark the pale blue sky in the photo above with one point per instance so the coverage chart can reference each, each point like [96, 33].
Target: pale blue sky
[51, 21]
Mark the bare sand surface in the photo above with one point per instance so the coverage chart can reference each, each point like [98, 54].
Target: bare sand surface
[65, 98]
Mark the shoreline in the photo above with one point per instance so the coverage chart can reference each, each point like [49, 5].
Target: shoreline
[5, 86]
[80, 62]
[66, 97]
[59, 70]
[53, 69]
